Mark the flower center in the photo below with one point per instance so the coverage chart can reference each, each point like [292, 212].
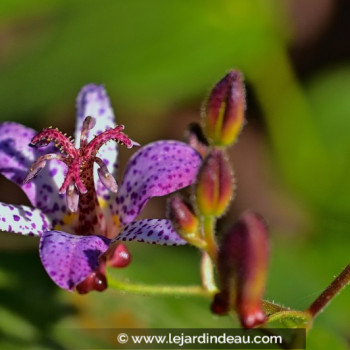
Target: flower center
[78, 184]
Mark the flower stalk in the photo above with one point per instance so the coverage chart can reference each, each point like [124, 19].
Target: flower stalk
[209, 236]
[340, 282]
[190, 291]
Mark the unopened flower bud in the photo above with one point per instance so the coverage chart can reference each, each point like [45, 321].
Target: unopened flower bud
[184, 221]
[215, 185]
[196, 139]
[242, 268]
[224, 110]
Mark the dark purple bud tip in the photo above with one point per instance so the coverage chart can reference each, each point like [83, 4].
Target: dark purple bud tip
[220, 305]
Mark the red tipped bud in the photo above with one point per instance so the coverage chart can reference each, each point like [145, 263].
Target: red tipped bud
[184, 221]
[224, 110]
[242, 268]
[215, 184]
[196, 139]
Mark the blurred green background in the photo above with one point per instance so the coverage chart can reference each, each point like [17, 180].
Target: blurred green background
[158, 60]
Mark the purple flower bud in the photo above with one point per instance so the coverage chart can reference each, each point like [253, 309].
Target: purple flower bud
[224, 110]
[242, 269]
[215, 184]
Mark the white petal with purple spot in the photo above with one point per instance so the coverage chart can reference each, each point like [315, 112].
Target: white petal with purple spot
[69, 259]
[23, 220]
[155, 170]
[93, 101]
[16, 157]
[154, 231]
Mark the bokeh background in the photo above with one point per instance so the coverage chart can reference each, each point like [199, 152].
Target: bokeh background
[158, 60]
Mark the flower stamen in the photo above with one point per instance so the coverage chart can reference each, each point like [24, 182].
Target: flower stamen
[105, 176]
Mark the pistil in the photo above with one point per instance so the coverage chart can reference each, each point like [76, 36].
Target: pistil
[78, 184]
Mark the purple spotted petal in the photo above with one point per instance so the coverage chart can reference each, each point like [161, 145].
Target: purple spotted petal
[93, 101]
[23, 220]
[154, 231]
[155, 170]
[16, 157]
[69, 259]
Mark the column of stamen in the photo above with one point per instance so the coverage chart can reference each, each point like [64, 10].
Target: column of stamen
[91, 218]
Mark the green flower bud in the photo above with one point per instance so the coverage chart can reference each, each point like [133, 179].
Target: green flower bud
[215, 185]
[185, 221]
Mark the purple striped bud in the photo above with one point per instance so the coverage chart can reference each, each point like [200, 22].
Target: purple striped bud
[224, 110]
[215, 185]
[242, 268]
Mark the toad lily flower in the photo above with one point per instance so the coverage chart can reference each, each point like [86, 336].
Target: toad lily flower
[79, 213]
